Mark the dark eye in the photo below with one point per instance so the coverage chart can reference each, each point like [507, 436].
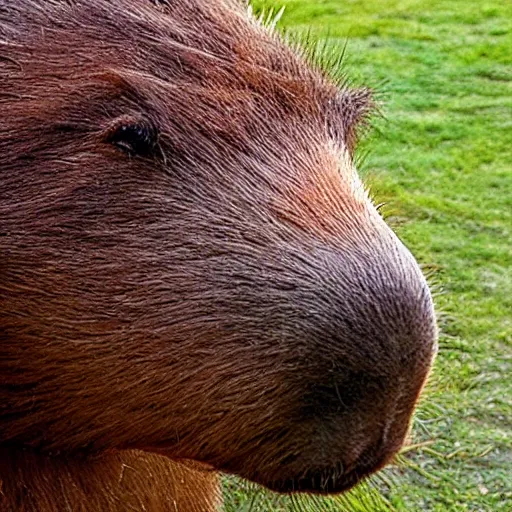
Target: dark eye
[137, 138]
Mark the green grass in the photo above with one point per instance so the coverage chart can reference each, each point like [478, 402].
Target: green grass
[442, 160]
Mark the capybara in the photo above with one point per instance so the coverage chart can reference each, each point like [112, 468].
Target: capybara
[190, 267]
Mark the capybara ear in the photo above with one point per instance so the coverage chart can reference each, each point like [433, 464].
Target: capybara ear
[357, 104]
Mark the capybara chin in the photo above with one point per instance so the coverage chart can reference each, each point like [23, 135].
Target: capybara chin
[189, 264]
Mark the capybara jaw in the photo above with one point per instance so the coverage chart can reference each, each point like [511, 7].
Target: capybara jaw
[333, 480]
[188, 259]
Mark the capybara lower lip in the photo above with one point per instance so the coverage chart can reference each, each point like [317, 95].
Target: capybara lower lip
[323, 481]
[335, 479]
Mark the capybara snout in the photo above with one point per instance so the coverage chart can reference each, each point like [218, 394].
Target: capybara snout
[369, 352]
[189, 263]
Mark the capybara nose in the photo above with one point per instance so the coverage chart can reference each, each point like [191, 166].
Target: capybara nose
[375, 338]
[376, 316]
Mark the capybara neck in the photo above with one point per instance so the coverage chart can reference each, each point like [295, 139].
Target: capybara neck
[116, 481]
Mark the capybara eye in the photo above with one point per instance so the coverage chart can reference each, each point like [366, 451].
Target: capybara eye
[137, 138]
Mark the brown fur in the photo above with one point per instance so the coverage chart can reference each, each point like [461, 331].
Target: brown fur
[126, 480]
[189, 264]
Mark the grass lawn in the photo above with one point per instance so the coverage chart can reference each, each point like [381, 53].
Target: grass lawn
[442, 160]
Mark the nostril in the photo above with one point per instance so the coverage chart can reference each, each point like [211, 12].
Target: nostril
[371, 452]
[385, 433]
[381, 445]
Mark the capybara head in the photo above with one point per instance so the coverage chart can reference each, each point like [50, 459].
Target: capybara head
[189, 263]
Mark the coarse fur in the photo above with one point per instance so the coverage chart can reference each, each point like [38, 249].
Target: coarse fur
[190, 267]
[127, 480]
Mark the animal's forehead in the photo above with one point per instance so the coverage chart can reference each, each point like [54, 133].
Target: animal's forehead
[205, 41]
[213, 45]
[214, 32]
[149, 33]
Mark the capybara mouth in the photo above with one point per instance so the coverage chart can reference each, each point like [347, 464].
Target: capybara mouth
[335, 479]
[322, 481]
